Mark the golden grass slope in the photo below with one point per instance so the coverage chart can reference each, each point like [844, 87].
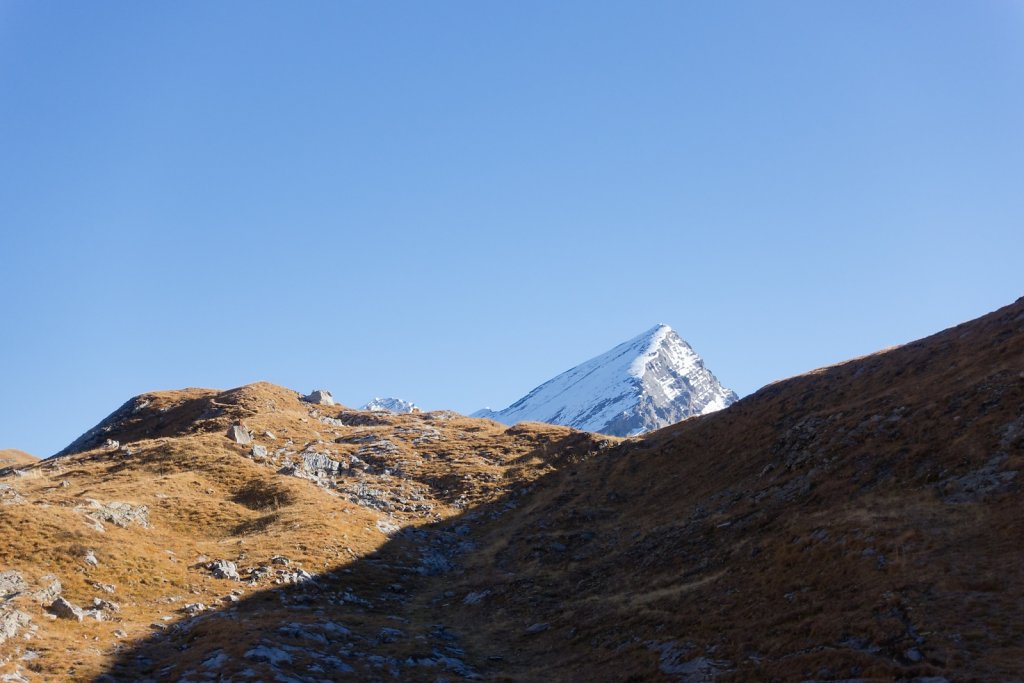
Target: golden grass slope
[858, 522]
[208, 498]
[12, 457]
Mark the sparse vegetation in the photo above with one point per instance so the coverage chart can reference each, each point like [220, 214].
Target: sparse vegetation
[861, 521]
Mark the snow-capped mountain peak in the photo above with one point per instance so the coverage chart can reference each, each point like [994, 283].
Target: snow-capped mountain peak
[648, 382]
[391, 405]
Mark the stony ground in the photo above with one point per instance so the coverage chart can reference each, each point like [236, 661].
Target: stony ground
[328, 517]
[861, 522]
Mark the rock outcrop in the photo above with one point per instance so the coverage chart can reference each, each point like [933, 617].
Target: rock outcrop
[320, 397]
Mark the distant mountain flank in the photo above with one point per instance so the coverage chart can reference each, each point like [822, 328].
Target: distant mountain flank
[391, 405]
[651, 381]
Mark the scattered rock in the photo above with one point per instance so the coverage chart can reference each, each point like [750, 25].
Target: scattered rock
[990, 480]
[258, 451]
[8, 496]
[16, 676]
[319, 462]
[697, 670]
[676, 660]
[11, 583]
[320, 397]
[239, 434]
[537, 628]
[50, 592]
[302, 632]
[105, 605]
[390, 635]
[193, 608]
[387, 527]
[259, 573]
[216, 660]
[316, 467]
[63, 609]
[913, 655]
[90, 558]
[112, 444]
[224, 569]
[118, 513]
[296, 577]
[432, 563]
[11, 623]
[272, 655]
[280, 559]
[475, 598]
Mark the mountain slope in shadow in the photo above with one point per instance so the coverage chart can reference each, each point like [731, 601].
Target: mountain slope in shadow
[858, 522]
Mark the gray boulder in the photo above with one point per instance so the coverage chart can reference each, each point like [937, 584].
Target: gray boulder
[224, 569]
[239, 434]
[320, 397]
[63, 609]
[258, 451]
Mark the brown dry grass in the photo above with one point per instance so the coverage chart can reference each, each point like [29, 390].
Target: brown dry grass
[207, 499]
[755, 534]
[12, 457]
[811, 531]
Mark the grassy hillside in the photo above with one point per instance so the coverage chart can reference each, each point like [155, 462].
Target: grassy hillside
[860, 521]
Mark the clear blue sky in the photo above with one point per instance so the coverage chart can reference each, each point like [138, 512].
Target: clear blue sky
[453, 201]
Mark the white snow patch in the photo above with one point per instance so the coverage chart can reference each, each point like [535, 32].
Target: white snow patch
[652, 380]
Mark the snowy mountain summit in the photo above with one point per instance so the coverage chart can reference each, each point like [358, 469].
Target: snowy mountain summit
[391, 405]
[648, 382]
